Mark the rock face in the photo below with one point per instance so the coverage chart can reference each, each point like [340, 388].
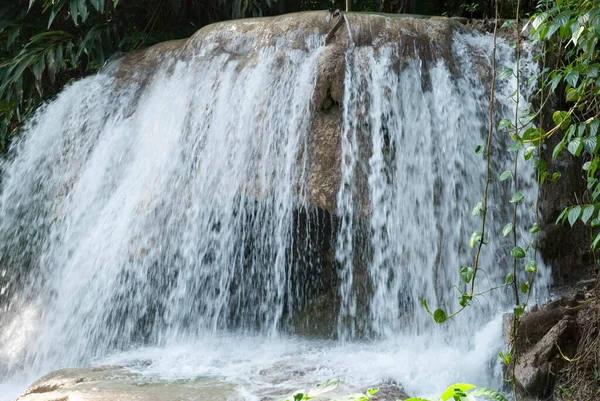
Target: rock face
[240, 40]
[555, 341]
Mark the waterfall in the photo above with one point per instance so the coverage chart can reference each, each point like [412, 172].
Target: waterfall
[173, 202]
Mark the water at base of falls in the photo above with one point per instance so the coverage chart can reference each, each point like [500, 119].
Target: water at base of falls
[167, 221]
[273, 368]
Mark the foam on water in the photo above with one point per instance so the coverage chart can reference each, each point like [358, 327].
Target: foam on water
[153, 222]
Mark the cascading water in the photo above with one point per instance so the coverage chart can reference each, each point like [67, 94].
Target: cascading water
[165, 214]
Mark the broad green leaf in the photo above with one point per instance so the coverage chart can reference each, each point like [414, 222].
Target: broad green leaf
[525, 287]
[478, 149]
[572, 77]
[446, 395]
[531, 267]
[590, 143]
[439, 316]
[515, 147]
[555, 176]
[477, 209]
[529, 152]
[509, 278]
[466, 273]
[505, 175]
[562, 18]
[517, 252]
[516, 198]
[464, 300]
[574, 214]
[486, 392]
[518, 311]
[475, 239]
[594, 127]
[575, 146]
[560, 146]
[534, 229]
[562, 119]
[587, 212]
[504, 124]
[507, 229]
[324, 387]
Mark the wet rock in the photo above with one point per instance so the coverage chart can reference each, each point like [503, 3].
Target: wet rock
[533, 370]
[113, 383]
[389, 391]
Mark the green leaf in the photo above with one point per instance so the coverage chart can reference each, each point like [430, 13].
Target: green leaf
[475, 239]
[449, 393]
[74, 4]
[555, 176]
[588, 211]
[509, 278]
[516, 198]
[464, 300]
[596, 241]
[561, 19]
[525, 287]
[478, 149]
[515, 147]
[477, 209]
[518, 311]
[323, 387]
[531, 267]
[439, 316]
[466, 273]
[504, 124]
[560, 146]
[575, 147]
[505, 175]
[534, 229]
[589, 144]
[505, 73]
[562, 119]
[517, 252]
[574, 214]
[572, 77]
[529, 152]
[507, 229]
[486, 392]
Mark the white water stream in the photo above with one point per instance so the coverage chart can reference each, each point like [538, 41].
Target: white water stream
[154, 223]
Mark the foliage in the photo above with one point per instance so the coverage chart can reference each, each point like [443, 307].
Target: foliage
[571, 29]
[465, 392]
[327, 386]
[456, 392]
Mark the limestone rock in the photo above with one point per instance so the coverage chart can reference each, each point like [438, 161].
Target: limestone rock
[113, 383]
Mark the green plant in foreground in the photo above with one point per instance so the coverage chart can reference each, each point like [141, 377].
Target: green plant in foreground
[327, 386]
[456, 392]
[465, 392]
